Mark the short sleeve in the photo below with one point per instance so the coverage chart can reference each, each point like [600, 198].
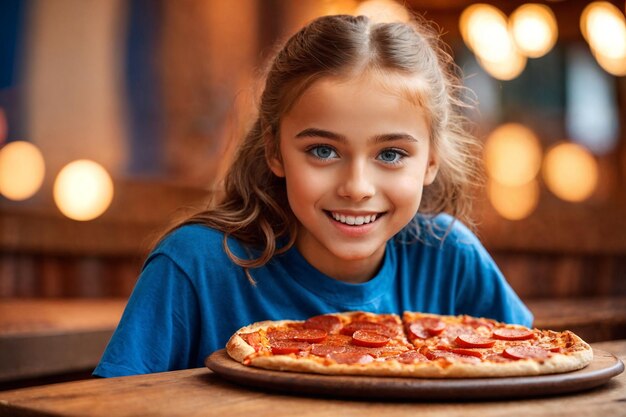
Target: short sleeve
[158, 330]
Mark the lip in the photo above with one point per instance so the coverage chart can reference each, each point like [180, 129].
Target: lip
[355, 213]
[354, 230]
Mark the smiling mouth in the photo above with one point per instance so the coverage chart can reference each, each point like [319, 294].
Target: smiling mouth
[353, 220]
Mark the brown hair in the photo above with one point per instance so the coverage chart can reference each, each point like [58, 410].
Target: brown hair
[253, 205]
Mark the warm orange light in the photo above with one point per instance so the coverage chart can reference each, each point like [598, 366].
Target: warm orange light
[512, 155]
[83, 190]
[478, 21]
[332, 7]
[614, 66]
[570, 172]
[383, 11]
[486, 32]
[507, 69]
[22, 170]
[534, 29]
[604, 27]
[514, 202]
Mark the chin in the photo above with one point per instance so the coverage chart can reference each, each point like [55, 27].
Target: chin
[355, 255]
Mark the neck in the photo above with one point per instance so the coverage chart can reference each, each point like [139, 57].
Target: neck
[352, 271]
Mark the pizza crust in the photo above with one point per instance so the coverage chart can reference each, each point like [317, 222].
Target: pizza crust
[558, 363]
[239, 350]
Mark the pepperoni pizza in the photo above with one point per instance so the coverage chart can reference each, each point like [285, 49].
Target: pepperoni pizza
[416, 345]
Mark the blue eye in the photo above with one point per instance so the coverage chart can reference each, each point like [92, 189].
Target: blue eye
[322, 152]
[390, 156]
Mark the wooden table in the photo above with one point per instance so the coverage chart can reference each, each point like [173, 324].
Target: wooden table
[199, 392]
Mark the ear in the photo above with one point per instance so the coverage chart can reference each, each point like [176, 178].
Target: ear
[272, 156]
[431, 170]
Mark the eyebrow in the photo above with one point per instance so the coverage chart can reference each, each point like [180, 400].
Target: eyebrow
[313, 132]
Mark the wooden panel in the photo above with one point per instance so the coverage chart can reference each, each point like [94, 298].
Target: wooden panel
[42, 275]
[140, 211]
[46, 337]
[593, 319]
[535, 274]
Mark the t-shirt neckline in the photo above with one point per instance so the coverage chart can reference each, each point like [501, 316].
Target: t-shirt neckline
[336, 291]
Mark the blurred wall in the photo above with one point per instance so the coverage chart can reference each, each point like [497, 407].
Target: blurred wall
[159, 92]
[74, 97]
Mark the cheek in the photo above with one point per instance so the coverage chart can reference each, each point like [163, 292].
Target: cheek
[303, 186]
[406, 193]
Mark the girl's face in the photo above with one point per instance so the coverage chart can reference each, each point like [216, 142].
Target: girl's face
[355, 158]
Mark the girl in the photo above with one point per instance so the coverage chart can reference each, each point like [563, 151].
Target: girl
[331, 205]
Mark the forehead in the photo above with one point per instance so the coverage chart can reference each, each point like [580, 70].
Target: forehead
[366, 103]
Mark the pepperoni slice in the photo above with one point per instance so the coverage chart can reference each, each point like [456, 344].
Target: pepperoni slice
[417, 331]
[426, 327]
[454, 330]
[513, 334]
[284, 347]
[433, 326]
[472, 341]
[467, 352]
[325, 322]
[338, 340]
[308, 335]
[350, 328]
[526, 352]
[325, 350]
[369, 338]
[282, 334]
[253, 339]
[351, 357]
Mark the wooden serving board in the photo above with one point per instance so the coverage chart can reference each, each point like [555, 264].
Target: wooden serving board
[603, 367]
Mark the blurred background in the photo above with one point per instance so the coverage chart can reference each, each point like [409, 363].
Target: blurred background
[117, 117]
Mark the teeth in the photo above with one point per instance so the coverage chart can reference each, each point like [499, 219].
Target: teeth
[354, 220]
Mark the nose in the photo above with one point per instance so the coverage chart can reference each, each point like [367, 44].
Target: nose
[356, 183]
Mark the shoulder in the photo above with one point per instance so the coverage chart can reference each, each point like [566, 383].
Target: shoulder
[190, 236]
[442, 232]
[196, 237]
[196, 244]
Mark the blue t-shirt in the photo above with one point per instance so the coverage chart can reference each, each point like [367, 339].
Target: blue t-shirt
[190, 297]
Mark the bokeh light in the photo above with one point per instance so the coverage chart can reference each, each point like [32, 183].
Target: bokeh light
[512, 155]
[604, 27]
[514, 202]
[570, 172]
[83, 190]
[534, 29]
[507, 69]
[614, 66]
[485, 30]
[383, 11]
[22, 170]
[476, 17]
